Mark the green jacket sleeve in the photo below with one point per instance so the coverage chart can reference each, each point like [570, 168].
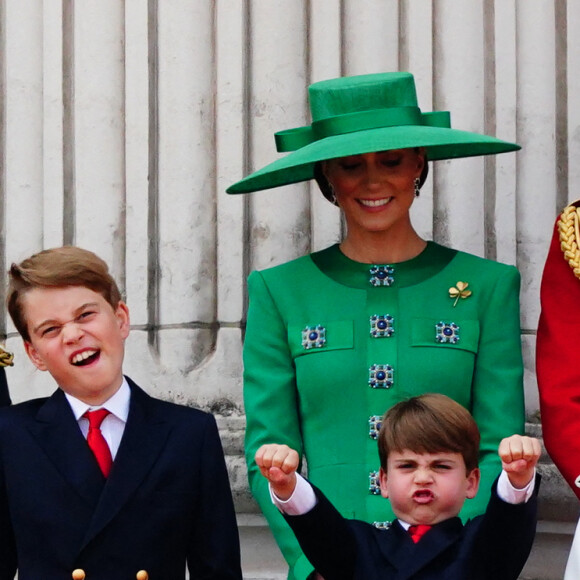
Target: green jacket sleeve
[271, 408]
[497, 390]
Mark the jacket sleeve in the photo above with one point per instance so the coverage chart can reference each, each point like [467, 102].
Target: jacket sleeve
[505, 536]
[214, 550]
[497, 389]
[326, 538]
[558, 371]
[270, 400]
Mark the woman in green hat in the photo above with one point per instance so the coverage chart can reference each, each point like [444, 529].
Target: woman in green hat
[337, 337]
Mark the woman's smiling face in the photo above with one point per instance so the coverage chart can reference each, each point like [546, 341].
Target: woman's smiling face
[375, 190]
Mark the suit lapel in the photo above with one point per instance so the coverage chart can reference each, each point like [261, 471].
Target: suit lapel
[395, 546]
[58, 434]
[408, 560]
[143, 440]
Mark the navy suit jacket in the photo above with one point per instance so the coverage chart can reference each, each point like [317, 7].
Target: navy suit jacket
[494, 546]
[4, 393]
[166, 501]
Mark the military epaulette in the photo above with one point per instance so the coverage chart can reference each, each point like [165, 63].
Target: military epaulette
[569, 230]
[6, 358]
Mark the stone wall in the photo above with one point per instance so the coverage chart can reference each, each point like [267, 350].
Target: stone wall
[122, 123]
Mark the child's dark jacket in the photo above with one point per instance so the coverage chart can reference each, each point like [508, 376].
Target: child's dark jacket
[494, 546]
[166, 500]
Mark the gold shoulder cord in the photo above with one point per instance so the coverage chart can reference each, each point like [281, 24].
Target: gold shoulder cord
[6, 358]
[569, 229]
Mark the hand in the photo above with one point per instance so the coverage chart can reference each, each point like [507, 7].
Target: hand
[519, 455]
[278, 464]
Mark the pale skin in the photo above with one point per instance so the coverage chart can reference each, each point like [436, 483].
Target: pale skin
[427, 488]
[79, 338]
[519, 455]
[375, 191]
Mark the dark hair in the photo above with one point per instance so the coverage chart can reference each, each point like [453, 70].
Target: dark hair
[430, 423]
[326, 189]
[58, 268]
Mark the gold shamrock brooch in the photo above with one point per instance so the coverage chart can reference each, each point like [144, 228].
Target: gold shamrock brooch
[459, 291]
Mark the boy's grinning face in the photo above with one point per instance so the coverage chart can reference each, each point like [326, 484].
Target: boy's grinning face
[77, 336]
[427, 488]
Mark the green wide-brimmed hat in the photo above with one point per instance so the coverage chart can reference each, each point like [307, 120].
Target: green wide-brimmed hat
[362, 114]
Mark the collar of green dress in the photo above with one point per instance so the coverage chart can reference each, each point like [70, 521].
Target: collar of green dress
[343, 270]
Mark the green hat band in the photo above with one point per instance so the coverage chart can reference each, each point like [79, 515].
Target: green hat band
[294, 139]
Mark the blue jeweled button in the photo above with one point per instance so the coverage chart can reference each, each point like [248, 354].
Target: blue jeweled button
[447, 332]
[381, 376]
[382, 325]
[374, 426]
[313, 337]
[382, 275]
[374, 483]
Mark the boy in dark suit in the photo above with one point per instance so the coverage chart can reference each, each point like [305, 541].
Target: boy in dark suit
[428, 447]
[146, 489]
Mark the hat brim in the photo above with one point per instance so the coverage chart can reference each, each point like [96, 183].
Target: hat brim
[440, 143]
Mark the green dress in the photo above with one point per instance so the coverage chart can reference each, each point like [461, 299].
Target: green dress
[331, 345]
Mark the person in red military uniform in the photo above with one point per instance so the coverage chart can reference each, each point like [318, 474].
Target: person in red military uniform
[557, 366]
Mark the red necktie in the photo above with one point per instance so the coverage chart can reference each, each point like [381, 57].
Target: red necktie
[418, 531]
[96, 440]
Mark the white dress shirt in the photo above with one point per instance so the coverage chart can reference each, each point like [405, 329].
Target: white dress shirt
[113, 425]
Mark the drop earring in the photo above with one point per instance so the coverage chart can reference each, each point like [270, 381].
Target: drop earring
[417, 186]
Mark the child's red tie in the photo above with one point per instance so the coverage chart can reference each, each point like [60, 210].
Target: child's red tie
[418, 531]
[96, 440]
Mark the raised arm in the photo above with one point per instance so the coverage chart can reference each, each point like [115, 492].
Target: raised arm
[321, 530]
